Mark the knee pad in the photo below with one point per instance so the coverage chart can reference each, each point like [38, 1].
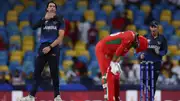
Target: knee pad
[104, 80]
[104, 85]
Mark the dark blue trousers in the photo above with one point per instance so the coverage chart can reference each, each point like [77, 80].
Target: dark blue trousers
[52, 58]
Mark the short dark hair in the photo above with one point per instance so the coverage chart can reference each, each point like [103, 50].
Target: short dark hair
[49, 3]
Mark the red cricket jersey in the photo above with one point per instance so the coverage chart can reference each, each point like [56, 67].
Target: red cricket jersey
[118, 43]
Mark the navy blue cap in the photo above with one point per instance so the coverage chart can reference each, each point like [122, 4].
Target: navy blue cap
[154, 23]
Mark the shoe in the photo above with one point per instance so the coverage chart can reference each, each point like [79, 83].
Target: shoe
[58, 98]
[27, 98]
[105, 97]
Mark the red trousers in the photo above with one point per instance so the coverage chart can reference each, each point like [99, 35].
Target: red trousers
[109, 80]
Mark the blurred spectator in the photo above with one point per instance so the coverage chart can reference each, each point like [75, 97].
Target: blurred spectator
[2, 78]
[119, 3]
[135, 2]
[67, 27]
[136, 69]
[175, 2]
[62, 81]
[178, 45]
[154, 2]
[12, 2]
[128, 70]
[92, 33]
[72, 76]
[29, 78]
[67, 43]
[167, 67]
[103, 2]
[14, 47]
[74, 32]
[85, 79]
[120, 21]
[167, 81]
[97, 79]
[81, 67]
[176, 71]
[84, 26]
[17, 78]
[2, 44]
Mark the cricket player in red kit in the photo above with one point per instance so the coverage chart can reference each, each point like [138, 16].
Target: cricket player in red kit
[108, 53]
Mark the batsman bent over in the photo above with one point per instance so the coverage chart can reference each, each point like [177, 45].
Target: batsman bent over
[108, 52]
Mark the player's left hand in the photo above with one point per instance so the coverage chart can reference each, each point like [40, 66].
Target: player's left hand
[156, 50]
[46, 50]
[119, 67]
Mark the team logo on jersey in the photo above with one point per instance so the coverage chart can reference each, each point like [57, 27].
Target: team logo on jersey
[50, 28]
[53, 54]
[46, 22]
[54, 22]
[148, 40]
[159, 42]
[153, 47]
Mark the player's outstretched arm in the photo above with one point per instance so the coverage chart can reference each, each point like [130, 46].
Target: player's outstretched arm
[115, 66]
[118, 53]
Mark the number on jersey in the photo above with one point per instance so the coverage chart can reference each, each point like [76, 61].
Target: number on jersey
[114, 34]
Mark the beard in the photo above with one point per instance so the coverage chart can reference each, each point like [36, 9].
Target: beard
[154, 32]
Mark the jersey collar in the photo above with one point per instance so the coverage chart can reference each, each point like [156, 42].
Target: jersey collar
[153, 36]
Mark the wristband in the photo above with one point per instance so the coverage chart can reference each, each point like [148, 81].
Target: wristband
[50, 46]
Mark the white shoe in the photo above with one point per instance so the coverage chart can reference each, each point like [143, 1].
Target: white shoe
[27, 98]
[58, 98]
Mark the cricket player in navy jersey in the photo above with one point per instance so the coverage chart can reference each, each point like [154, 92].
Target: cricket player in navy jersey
[52, 33]
[157, 48]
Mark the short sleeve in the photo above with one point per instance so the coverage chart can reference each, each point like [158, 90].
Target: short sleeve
[62, 24]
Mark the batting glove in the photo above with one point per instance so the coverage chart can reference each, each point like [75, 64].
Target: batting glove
[115, 67]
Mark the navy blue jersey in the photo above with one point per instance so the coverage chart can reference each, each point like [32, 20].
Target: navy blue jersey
[155, 44]
[50, 29]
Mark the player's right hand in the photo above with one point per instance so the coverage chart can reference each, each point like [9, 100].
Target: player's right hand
[115, 67]
[49, 15]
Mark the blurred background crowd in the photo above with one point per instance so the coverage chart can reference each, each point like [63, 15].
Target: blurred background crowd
[87, 22]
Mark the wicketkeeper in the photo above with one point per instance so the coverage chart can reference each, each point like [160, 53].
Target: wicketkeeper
[157, 48]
